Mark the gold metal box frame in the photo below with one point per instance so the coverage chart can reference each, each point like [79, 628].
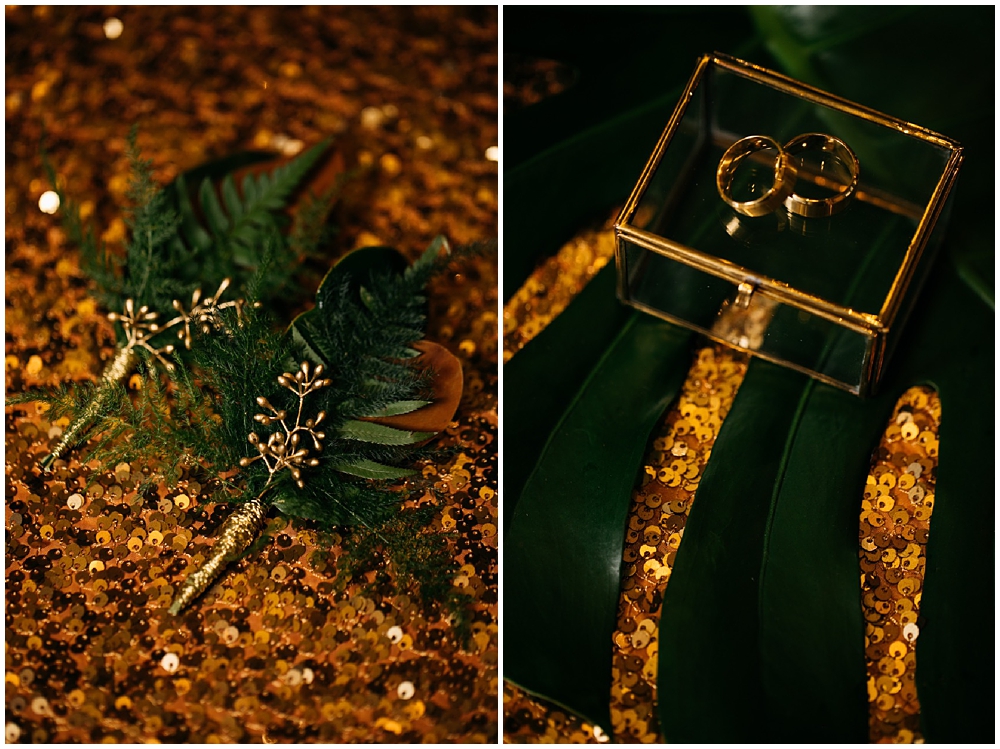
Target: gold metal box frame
[874, 326]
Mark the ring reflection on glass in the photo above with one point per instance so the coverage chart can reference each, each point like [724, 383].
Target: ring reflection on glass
[785, 172]
[825, 144]
[752, 232]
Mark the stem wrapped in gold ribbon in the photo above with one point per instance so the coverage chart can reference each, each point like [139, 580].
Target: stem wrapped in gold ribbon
[238, 532]
[115, 373]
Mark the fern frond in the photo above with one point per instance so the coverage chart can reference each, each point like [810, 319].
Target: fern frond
[238, 218]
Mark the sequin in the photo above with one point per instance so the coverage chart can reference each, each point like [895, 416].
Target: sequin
[891, 608]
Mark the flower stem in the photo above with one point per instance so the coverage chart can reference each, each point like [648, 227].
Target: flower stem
[116, 371]
[238, 532]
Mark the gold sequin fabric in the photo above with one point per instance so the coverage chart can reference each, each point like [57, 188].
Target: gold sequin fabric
[277, 650]
[671, 473]
[895, 521]
[553, 285]
[532, 720]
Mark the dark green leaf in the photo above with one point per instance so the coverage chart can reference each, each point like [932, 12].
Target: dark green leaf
[218, 222]
[708, 624]
[564, 547]
[399, 407]
[369, 469]
[231, 197]
[366, 431]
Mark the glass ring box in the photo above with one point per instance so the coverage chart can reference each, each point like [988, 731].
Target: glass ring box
[786, 222]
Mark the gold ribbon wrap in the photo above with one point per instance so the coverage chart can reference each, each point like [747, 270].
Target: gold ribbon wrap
[116, 372]
[238, 532]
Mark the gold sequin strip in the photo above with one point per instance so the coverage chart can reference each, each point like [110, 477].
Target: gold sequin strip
[659, 512]
[895, 518]
[553, 285]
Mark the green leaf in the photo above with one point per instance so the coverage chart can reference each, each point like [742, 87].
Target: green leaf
[712, 596]
[399, 407]
[356, 267]
[353, 269]
[564, 548]
[231, 197]
[369, 469]
[547, 373]
[218, 222]
[249, 188]
[191, 228]
[366, 297]
[366, 431]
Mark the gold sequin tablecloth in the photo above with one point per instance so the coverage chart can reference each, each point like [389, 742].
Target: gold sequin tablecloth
[278, 651]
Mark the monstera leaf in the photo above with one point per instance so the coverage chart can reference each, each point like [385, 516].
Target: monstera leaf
[761, 634]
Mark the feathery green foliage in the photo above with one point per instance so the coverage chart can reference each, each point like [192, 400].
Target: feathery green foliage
[363, 323]
[175, 245]
[360, 334]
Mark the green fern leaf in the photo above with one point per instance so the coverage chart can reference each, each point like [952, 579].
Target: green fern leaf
[216, 217]
[244, 217]
[249, 189]
[231, 197]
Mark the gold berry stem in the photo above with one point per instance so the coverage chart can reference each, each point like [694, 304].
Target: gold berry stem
[116, 372]
[238, 532]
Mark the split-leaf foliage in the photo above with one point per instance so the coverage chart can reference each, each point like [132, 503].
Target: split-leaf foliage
[761, 635]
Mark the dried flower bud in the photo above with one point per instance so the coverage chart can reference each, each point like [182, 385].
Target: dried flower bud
[244, 462]
[312, 462]
[253, 438]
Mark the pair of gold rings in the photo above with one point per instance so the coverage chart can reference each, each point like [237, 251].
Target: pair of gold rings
[786, 171]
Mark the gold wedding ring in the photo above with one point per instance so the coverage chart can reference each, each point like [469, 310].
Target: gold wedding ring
[785, 173]
[812, 207]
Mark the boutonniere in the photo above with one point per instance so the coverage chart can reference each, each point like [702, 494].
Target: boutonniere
[194, 250]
